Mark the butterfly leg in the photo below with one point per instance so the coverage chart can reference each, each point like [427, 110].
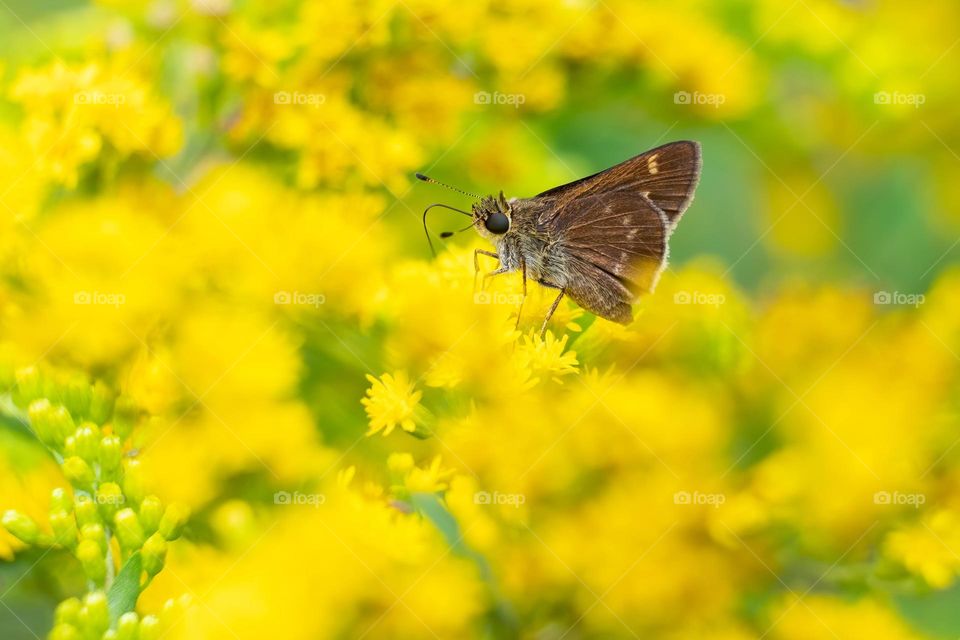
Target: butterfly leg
[523, 273]
[553, 307]
[487, 276]
[476, 264]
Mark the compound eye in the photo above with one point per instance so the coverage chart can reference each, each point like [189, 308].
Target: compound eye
[497, 222]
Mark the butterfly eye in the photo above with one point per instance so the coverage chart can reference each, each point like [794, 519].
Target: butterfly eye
[497, 222]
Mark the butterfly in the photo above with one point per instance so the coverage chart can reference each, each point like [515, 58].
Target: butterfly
[600, 240]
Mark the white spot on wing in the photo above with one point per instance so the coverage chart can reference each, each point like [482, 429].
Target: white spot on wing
[652, 164]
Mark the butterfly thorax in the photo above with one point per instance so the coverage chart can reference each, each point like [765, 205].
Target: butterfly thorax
[523, 243]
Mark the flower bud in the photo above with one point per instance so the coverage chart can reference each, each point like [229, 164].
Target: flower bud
[86, 511]
[87, 442]
[64, 632]
[95, 614]
[60, 500]
[64, 528]
[128, 626]
[128, 529]
[76, 395]
[78, 473]
[29, 384]
[173, 521]
[109, 498]
[133, 485]
[68, 612]
[21, 526]
[153, 554]
[111, 453]
[40, 421]
[96, 533]
[101, 403]
[171, 609]
[150, 627]
[151, 511]
[69, 446]
[93, 561]
[51, 387]
[125, 414]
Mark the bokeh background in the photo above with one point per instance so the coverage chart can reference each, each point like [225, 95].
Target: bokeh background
[208, 207]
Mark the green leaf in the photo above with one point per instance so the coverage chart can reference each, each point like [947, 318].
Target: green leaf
[123, 593]
[430, 506]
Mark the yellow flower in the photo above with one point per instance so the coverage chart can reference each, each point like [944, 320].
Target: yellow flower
[545, 356]
[824, 616]
[73, 114]
[428, 479]
[391, 401]
[929, 549]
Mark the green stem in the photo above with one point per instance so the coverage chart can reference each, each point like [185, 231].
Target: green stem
[108, 580]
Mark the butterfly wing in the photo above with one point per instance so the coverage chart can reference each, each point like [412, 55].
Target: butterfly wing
[614, 246]
[667, 176]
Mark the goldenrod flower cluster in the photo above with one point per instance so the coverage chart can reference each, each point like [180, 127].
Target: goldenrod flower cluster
[214, 301]
[116, 532]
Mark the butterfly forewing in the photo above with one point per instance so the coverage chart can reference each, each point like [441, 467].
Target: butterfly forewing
[667, 176]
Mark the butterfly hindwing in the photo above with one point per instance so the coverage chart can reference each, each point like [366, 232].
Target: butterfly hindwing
[615, 246]
[667, 176]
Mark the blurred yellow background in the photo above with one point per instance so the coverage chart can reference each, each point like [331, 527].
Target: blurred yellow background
[207, 208]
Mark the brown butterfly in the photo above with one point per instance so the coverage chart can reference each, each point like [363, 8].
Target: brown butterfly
[601, 240]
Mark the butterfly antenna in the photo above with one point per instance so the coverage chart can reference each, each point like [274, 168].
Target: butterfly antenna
[420, 176]
[449, 234]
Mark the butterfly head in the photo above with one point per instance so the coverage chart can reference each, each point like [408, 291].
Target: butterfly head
[492, 215]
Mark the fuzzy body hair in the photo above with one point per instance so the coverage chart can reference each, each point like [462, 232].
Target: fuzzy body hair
[525, 243]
